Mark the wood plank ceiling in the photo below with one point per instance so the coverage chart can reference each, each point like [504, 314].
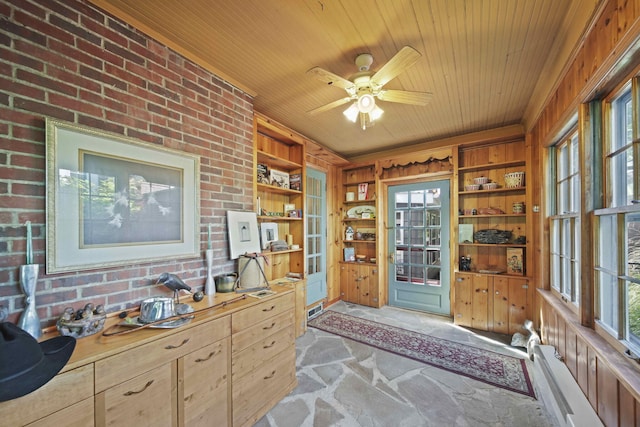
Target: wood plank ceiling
[488, 63]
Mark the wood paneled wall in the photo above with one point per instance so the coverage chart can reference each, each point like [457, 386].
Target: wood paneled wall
[606, 56]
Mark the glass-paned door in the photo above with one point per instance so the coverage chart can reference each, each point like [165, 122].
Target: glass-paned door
[316, 235]
[419, 246]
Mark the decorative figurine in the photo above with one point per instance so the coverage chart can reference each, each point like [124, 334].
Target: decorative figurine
[465, 263]
[174, 283]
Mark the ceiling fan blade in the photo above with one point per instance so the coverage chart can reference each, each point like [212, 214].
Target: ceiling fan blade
[332, 79]
[406, 57]
[329, 106]
[405, 97]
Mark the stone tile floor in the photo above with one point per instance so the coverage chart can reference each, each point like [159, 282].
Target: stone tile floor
[343, 383]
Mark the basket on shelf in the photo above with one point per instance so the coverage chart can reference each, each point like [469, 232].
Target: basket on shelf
[514, 179]
[85, 321]
[492, 236]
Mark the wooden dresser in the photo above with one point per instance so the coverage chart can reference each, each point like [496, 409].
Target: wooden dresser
[227, 367]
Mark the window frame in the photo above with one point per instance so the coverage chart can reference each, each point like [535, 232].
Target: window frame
[564, 261]
[616, 327]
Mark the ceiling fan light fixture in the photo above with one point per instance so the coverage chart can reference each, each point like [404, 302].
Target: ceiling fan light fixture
[366, 103]
[376, 113]
[352, 112]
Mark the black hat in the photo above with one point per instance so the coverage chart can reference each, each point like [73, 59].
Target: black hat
[25, 364]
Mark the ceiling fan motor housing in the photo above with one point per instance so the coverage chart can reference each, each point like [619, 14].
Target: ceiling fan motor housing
[364, 61]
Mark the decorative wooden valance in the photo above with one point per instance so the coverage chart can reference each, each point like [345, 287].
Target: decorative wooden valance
[409, 166]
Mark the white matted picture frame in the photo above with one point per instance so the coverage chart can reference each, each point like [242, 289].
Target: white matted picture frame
[113, 200]
[243, 233]
[268, 233]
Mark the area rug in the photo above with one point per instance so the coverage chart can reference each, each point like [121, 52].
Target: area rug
[483, 365]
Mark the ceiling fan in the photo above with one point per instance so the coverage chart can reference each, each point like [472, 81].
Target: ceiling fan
[365, 86]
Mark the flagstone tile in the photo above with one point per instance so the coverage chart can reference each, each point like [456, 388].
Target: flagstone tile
[325, 414]
[329, 373]
[343, 383]
[326, 350]
[370, 407]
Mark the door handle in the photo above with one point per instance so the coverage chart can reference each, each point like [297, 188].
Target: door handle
[392, 258]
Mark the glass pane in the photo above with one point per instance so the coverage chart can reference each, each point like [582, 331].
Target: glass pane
[633, 312]
[417, 237]
[555, 272]
[633, 246]
[563, 162]
[417, 199]
[607, 246]
[416, 218]
[609, 300]
[401, 200]
[563, 197]
[574, 190]
[574, 166]
[555, 236]
[433, 217]
[417, 274]
[433, 197]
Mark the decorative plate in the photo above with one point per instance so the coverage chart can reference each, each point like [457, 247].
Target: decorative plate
[357, 211]
[171, 324]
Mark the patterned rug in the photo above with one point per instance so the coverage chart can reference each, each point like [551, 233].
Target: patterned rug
[483, 365]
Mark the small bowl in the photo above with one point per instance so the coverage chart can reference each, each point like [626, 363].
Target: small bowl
[472, 187]
[490, 186]
[480, 180]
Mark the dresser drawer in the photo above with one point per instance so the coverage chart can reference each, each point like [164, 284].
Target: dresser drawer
[268, 308]
[254, 356]
[253, 391]
[261, 330]
[61, 392]
[120, 367]
[148, 399]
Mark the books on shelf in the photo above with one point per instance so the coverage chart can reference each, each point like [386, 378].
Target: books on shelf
[295, 182]
[262, 173]
[278, 178]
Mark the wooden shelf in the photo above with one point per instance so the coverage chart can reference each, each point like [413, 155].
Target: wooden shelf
[522, 215]
[277, 218]
[288, 251]
[359, 219]
[277, 190]
[360, 202]
[359, 241]
[352, 184]
[488, 166]
[496, 191]
[277, 162]
[495, 245]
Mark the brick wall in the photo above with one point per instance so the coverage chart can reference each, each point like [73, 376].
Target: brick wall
[68, 60]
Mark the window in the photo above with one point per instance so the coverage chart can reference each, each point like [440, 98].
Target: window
[617, 260]
[565, 219]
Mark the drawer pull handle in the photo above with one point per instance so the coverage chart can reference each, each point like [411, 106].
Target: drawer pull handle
[146, 386]
[269, 309]
[268, 377]
[269, 327]
[171, 347]
[270, 345]
[199, 359]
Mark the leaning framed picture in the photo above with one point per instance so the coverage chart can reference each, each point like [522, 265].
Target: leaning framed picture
[243, 233]
[268, 234]
[114, 200]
